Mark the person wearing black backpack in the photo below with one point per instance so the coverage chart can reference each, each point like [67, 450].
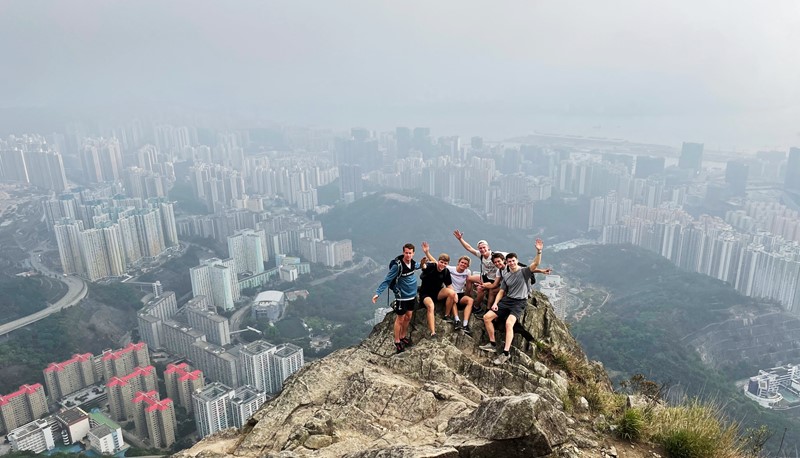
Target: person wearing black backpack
[403, 283]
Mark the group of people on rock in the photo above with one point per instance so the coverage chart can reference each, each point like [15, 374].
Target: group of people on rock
[502, 281]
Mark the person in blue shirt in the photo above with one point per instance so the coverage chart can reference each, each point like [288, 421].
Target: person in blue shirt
[405, 293]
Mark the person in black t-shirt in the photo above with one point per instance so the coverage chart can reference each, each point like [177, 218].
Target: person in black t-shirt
[435, 286]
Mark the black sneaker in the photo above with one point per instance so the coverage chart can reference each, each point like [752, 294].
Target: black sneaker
[433, 336]
[448, 319]
[406, 342]
[467, 330]
[457, 324]
[398, 346]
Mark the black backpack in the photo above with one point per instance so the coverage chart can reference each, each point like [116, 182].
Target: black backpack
[393, 284]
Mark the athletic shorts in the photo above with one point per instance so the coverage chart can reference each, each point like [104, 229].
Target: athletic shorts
[432, 294]
[508, 306]
[401, 307]
[458, 301]
[485, 279]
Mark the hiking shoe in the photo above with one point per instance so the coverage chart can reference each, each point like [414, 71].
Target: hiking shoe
[448, 319]
[406, 341]
[433, 336]
[457, 324]
[399, 348]
[490, 347]
[467, 330]
[502, 358]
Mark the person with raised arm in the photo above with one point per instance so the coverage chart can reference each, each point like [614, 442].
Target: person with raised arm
[510, 301]
[488, 272]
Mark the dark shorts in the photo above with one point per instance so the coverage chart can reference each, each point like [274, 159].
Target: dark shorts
[432, 294]
[404, 306]
[508, 306]
[458, 301]
[485, 279]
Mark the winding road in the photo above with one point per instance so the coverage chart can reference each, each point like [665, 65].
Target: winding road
[76, 291]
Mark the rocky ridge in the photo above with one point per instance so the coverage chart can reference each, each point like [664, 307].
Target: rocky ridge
[441, 398]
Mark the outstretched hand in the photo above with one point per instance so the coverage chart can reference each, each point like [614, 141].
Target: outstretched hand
[425, 247]
[539, 244]
[458, 234]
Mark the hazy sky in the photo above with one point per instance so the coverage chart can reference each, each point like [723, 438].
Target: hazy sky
[720, 72]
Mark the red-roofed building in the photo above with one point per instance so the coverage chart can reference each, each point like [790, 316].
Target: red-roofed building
[122, 390]
[67, 377]
[23, 406]
[154, 418]
[120, 362]
[181, 382]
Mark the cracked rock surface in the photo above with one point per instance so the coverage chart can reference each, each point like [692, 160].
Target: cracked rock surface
[440, 398]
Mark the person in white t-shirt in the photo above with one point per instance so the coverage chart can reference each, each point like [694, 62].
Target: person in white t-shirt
[459, 275]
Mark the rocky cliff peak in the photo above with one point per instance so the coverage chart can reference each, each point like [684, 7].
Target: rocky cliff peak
[442, 397]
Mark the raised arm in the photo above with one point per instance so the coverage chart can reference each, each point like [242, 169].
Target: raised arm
[427, 250]
[460, 236]
[538, 259]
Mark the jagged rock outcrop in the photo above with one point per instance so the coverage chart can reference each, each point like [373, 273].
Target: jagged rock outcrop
[441, 398]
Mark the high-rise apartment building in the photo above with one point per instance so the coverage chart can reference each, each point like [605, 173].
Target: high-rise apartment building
[216, 279]
[122, 390]
[736, 177]
[288, 359]
[121, 362]
[68, 238]
[12, 166]
[792, 179]
[154, 418]
[26, 404]
[178, 338]
[248, 249]
[181, 381]
[212, 408]
[67, 377]
[245, 402]
[101, 160]
[213, 325]
[217, 363]
[691, 156]
[46, 170]
[257, 364]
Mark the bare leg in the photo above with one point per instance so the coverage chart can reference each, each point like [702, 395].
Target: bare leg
[509, 331]
[398, 327]
[468, 309]
[428, 303]
[450, 297]
[487, 322]
[405, 323]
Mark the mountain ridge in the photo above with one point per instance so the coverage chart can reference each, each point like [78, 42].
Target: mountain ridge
[442, 397]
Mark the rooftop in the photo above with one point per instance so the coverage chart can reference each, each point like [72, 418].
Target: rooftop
[24, 389]
[71, 416]
[118, 353]
[57, 367]
[139, 371]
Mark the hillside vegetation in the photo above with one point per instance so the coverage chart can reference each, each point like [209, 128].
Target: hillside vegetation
[381, 223]
[641, 328]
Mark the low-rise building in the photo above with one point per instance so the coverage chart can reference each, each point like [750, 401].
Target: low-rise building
[269, 304]
[105, 440]
[36, 436]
